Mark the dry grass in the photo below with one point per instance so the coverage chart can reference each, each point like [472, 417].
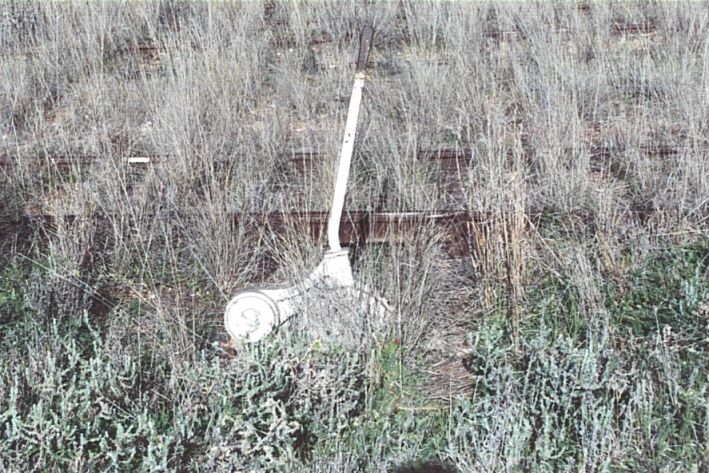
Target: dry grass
[533, 90]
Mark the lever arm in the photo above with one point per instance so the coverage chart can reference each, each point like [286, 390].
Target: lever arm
[343, 166]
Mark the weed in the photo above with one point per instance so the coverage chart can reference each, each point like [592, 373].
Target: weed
[577, 326]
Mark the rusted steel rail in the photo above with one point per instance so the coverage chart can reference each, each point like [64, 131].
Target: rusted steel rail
[153, 50]
[616, 30]
[147, 51]
[357, 228]
[448, 158]
[659, 150]
[68, 161]
[619, 29]
[458, 231]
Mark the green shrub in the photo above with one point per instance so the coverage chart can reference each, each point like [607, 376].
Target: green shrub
[629, 392]
[667, 293]
[68, 408]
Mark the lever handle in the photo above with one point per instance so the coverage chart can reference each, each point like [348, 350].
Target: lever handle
[343, 164]
[365, 44]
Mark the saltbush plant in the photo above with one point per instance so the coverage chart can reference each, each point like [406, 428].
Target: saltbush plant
[571, 338]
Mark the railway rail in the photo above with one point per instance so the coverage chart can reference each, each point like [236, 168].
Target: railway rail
[458, 228]
[449, 159]
[459, 232]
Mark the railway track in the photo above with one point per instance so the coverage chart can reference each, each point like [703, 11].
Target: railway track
[459, 232]
[449, 159]
[458, 229]
[152, 50]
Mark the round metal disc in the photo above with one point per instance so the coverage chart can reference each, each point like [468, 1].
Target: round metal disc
[250, 316]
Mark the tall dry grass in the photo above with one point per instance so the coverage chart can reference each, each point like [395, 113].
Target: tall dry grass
[227, 90]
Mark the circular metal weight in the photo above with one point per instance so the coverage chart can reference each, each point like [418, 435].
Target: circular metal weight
[250, 316]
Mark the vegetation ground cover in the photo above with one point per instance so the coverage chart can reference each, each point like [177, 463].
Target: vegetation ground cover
[572, 338]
